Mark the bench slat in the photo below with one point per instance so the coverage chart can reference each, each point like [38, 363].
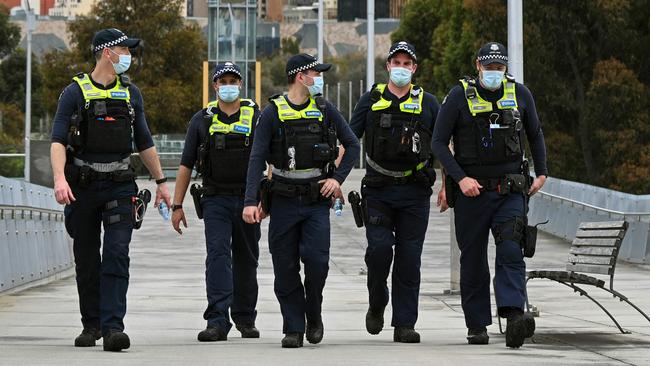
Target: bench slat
[596, 242]
[600, 234]
[587, 268]
[582, 259]
[603, 225]
[611, 251]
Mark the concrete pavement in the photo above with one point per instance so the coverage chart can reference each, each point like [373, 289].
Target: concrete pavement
[167, 300]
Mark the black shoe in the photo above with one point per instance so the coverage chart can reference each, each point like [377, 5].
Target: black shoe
[516, 330]
[292, 340]
[406, 335]
[212, 334]
[477, 336]
[116, 341]
[530, 324]
[248, 330]
[374, 320]
[314, 332]
[87, 337]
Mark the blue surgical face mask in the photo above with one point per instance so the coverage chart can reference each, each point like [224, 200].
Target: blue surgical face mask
[400, 76]
[228, 93]
[317, 87]
[123, 64]
[491, 79]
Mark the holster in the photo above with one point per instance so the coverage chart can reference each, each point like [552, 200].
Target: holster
[451, 187]
[530, 241]
[265, 195]
[195, 191]
[357, 210]
[515, 183]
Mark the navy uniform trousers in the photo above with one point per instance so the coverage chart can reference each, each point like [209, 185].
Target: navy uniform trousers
[102, 279]
[474, 218]
[299, 230]
[410, 206]
[231, 264]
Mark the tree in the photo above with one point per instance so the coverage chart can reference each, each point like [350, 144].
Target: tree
[586, 63]
[168, 71]
[9, 33]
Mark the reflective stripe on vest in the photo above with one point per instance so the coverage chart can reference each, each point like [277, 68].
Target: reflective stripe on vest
[477, 104]
[392, 173]
[244, 126]
[286, 113]
[412, 105]
[91, 92]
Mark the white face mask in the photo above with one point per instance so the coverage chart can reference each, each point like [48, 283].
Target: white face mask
[491, 79]
[123, 64]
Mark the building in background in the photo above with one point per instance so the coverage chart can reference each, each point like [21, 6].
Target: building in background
[349, 10]
[232, 26]
[71, 8]
[271, 10]
[9, 4]
[195, 9]
[331, 9]
[396, 7]
[45, 6]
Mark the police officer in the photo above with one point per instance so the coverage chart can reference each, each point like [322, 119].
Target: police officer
[297, 134]
[219, 138]
[397, 121]
[487, 117]
[99, 118]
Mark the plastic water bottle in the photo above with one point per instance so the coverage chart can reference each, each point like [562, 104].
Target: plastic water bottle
[164, 211]
[338, 207]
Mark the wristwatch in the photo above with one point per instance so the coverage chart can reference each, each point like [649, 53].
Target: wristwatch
[176, 207]
[161, 180]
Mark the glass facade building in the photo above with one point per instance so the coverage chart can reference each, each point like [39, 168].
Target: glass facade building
[231, 37]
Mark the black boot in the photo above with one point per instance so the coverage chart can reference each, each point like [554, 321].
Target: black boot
[248, 330]
[406, 335]
[212, 334]
[516, 330]
[116, 341]
[374, 320]
[292, 340]
[314, 332]
[477, 336]
[87, 337]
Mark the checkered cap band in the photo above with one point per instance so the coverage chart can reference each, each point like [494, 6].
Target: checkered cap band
[225, 70]
[302, 68]
[493, 57]
[110, 44]
[405, 49]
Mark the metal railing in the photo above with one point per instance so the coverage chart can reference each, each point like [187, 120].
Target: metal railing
[599, 209]
[56, 215]
[34, 244]
[572, 203]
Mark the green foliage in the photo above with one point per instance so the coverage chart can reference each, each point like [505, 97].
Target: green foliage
[168, 71]
[9, 33]
[586, 62]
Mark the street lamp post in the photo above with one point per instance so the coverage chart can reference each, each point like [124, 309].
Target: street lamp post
[28, 89]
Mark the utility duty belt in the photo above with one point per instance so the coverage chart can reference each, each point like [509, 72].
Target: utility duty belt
[425, 175]
[308, 190]
[515, 183]
[197, 191]
[83, 176]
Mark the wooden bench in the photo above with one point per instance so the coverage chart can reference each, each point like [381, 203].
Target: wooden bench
[593, 252]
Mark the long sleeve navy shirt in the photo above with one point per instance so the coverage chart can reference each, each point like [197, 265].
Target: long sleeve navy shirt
[361, 116]
[454, 108]
[269, 123]
[71, 101]
[197, 132]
